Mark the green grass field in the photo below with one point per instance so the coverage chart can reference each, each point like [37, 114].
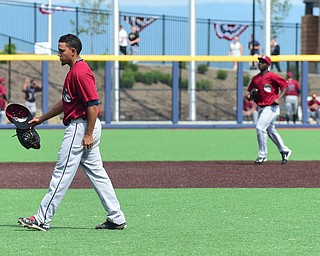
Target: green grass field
[212, 221]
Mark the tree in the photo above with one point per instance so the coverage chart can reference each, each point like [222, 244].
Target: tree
[94, 19]
[279, 11]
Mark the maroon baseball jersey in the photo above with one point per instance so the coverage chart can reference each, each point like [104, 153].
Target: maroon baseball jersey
[313, 102]
[268, 87]
[293, 87]
[79, 88]
[3, 100]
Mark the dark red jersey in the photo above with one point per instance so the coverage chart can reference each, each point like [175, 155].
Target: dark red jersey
[268, 87]
[79, 88]
[293, 87]
[313, 105]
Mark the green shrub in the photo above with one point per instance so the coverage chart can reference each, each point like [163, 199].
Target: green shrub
[184, 83]
[202, 68]
[127, 79]
[96, 65]
[182, 65]
[165, 79]
[155, 74]
[204, 85]
[131, 65]
[222, 74]
[246, 80]
[10, 48]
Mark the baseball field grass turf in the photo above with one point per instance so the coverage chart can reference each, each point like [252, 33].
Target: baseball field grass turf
[211, 221]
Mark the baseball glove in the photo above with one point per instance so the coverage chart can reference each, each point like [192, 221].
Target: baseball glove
[20, 116]
[253, 94]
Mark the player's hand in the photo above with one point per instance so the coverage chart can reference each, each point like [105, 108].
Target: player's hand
[35, 121]
[87, 141]
[276, 101]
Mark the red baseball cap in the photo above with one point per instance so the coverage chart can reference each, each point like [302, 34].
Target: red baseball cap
[266, 58]
[2, 80]
[290, 74]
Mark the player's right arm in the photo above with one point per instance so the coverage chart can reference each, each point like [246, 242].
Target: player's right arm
[54, 111]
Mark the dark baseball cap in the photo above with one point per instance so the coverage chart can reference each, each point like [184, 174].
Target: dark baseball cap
[19, 115]
[266, 58]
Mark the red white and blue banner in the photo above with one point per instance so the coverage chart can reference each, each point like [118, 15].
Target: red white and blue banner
[45, 9]
[139, 22]
[229, 31]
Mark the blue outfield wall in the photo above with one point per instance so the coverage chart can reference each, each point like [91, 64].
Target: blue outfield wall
[175, 122]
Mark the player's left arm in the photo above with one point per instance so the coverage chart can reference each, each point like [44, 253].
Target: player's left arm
[283, 86]
[92, 114]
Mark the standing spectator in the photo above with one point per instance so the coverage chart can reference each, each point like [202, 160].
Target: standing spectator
[235, 49]
[30, 89]
[254, 48]
[123, 40]
[3, 100]
[314, 108]
[249, 109]
[275, 50]
[80, 145]
[292, 98]
[134, 40]
[271, 89]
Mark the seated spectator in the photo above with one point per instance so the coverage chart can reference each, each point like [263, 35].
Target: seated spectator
[249, 110]
[3, 100]
[314, 109]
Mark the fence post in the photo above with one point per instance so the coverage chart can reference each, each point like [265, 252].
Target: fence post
[175, 92]
[163, 36]
[107, 92]
[304, 91]
[45, 86]
[240, 93]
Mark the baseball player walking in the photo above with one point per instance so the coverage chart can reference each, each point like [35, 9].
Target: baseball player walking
[271, 89]
[80, 145]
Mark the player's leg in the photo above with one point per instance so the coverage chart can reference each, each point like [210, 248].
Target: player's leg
[67, 164]
[295, 109]
[261, 129]
[93, 168]
[288, 108]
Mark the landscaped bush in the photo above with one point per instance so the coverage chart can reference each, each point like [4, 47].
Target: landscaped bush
[202, 68]
[182, 65]
[222, 74]
[184, 83]
[96, 65]
[127, 79]
[246, 79]
[203, 85]
[131, 65]
[165, 79]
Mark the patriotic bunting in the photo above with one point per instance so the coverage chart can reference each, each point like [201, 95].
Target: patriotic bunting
[229, 31]
[139, 22]
[45, 9]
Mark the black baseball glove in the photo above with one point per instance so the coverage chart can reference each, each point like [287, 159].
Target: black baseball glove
[20, 116]
[253, 94]
[29, 138]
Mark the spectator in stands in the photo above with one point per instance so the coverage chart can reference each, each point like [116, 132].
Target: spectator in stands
[249, 110]
[31, 88]
[254, 48]
[314, 108]
[275, 51]
[3, 100]
[123, 40]
[235, 49]
[291, 98]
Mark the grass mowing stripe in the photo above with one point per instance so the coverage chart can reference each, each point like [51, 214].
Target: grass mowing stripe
[169, 145]
[170, 222]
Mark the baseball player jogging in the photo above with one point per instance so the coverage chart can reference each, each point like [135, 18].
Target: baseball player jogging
[264, 90]
[80, 145]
